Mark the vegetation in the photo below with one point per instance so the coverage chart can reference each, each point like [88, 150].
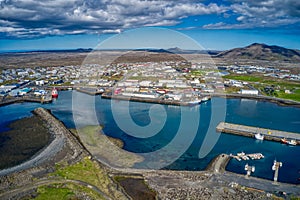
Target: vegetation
[244, 78]
[54, 193]
[294, 96]
[270, 86]
[90, 172]
[66, 191]
[107, 148]
[86, 171]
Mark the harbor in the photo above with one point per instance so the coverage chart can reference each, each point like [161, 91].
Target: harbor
[267, 134]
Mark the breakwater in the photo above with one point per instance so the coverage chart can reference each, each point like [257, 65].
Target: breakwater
[250, 131]
[11, 100]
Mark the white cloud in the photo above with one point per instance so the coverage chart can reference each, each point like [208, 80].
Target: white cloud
[261, 13]
[77, 16]
[35, 18]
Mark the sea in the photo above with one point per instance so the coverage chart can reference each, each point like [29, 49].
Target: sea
[200, 121]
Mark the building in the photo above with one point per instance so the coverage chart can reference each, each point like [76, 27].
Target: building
[249, 92]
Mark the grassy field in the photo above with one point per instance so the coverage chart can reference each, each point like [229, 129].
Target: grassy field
[244, 78]
[87, 171]
[280, 85]
[54, 193]
[294, 96]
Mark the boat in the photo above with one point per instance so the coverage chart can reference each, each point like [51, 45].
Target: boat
[284, 141]
[290, 142]
[205, 99]
[241, 154]
[259, 136]
[54, 93]
[194, 102]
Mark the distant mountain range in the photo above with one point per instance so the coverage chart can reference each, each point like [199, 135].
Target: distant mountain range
[261, 52]
[254, 51]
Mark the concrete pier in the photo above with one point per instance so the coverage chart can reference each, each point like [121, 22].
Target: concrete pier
[250, 131]
[275, 168]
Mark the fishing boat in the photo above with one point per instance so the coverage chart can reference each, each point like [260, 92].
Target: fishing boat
[290, 142]
[54, 93]
[259, 136]
[205, 99]
[194, 102]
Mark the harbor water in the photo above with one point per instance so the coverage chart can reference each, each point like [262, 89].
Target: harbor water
[239, 111]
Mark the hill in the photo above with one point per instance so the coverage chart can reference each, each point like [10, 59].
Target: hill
[262, 52]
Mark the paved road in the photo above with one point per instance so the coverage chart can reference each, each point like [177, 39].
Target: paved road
[261, 184]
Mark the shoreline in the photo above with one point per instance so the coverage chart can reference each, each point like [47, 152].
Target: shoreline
[278, 101]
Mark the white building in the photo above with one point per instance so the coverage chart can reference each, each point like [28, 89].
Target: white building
[249, 92]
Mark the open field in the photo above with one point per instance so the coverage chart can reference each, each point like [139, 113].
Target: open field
[261, 82]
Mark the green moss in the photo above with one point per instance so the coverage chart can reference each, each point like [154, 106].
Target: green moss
[90, 172]
[49, 193]
[87, 171]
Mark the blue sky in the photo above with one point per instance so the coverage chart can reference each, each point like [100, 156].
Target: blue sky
[218, 25]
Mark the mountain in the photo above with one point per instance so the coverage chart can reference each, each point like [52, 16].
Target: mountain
[262, 52]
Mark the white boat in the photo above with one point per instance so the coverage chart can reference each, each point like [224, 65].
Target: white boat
[194, 102]
[206, 98]
[292, 142]
[259, 136]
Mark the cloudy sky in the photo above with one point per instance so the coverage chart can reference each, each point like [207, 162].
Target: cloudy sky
[216, 24]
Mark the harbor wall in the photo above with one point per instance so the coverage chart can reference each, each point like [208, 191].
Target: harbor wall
[250, 131]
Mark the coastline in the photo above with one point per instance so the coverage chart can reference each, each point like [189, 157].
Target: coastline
[94, 92]
[278, 101]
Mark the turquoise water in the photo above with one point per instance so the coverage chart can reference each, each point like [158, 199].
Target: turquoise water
[247, 112]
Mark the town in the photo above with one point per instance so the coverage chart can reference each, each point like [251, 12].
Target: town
[176, 82]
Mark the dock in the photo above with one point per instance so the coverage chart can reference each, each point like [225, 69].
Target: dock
[12, 100]
[250, 131]
[275, 168]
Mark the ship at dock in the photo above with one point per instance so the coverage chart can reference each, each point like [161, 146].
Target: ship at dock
[289, 142]
[259, 136]
[54, 93]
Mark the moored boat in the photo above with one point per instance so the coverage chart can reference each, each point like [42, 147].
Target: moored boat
[205, 99]
[290, 142]
[194, 102]
[54, 93]
[259, 136]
